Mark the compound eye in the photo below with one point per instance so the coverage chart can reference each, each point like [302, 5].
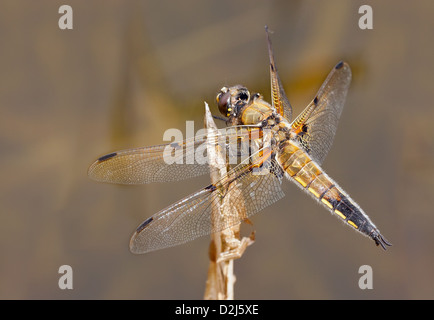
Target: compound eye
[223, 102]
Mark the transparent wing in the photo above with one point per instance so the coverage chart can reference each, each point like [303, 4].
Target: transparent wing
[316, 126]
[279, 99]
[164, 163]
[194, 216]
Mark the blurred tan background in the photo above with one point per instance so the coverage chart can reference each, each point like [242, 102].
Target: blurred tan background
[130, 70]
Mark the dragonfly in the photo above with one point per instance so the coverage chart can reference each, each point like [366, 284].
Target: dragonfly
[295, 150]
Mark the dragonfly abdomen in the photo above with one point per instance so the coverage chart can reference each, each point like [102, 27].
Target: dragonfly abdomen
[338, 202]
[311, 178]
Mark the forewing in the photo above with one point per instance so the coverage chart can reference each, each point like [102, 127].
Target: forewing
[162, 163]
[193, 216]
[316, 126]
[279, 99]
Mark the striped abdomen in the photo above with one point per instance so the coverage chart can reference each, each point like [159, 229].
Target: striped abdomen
[310, 177]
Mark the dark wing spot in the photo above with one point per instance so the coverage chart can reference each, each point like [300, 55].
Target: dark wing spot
[107, 156]
[315, 101]
[211, 188]
[144, 224]
[175, 145]
[339, 65]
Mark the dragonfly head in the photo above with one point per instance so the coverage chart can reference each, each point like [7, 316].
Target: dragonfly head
[231, 100]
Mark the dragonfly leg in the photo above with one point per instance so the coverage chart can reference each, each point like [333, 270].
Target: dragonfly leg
[237, 248]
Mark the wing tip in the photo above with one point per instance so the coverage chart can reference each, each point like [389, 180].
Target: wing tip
[133, 248]
[93, 171]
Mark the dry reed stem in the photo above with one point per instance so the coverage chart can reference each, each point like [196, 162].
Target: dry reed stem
[226, 245]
